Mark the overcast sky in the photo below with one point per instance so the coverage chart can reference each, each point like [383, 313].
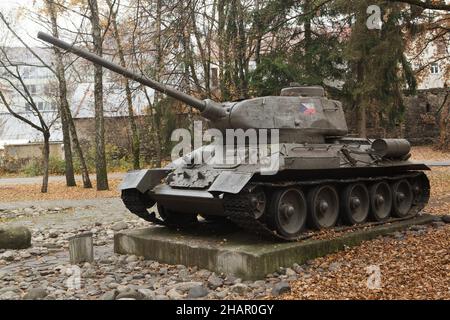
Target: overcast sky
[14, 3]
[26, 28]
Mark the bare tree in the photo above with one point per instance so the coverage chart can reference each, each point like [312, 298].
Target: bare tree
[100, 158]
[444, 135]
[68, 125]
[69, 172]
[13, 77]
[135, 141]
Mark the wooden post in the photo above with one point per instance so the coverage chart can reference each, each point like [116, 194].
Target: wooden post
[81, 248]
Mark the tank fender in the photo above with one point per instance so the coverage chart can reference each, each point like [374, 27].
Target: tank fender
[230, 182]
[143, 180]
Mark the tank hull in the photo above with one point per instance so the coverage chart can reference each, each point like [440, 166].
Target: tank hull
[204, 202]
[340, 175]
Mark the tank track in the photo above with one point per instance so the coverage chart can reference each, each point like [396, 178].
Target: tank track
[239, 209]
[136, 204]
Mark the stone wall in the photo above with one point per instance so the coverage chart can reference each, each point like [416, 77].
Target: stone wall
[33, 150]
[422, 116]
[421, 123]
[118, 133]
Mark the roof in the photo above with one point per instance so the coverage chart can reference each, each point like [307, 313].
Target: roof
[14, 130]
[3, 143]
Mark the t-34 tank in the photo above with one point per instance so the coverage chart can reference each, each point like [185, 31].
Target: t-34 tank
[324, 176]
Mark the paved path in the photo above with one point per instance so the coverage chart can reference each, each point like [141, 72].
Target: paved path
[437, 163]
[37, 180]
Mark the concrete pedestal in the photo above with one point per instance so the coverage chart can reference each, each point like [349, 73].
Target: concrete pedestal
[233, 251]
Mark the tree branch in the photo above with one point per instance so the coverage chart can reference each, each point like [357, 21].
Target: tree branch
[2, 17]
[425, 5]
[18, 116]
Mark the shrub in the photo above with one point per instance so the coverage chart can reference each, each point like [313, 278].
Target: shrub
[34, 167]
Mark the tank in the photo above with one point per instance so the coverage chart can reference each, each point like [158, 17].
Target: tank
[323, 177]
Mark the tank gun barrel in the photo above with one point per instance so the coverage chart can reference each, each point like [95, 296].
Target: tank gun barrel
[198, 104]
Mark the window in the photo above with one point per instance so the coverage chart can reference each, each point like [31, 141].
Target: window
[40, 106]
[27, 107]
[428, 107]
[214, 77]
[434, 68]
[53, 105]
[32, 88]
[47, 89]
[26, 73]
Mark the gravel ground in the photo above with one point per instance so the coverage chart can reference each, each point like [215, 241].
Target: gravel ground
[414, 264]
[43, 271]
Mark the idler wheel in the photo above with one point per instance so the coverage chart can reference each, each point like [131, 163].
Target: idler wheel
[177, 219]
[380, 201]
[355, 203]
[323, 207]
[417, 187]
[402, 198]
[287, 212]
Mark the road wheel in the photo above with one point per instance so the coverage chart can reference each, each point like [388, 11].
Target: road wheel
[380, 201]
[402, 198]
[323, 207]
[287, 212]
[355, 203]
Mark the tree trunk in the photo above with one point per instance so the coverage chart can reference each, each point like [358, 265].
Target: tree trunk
[242, 47]
[362, 121]
[308, 39]
[154, 129]
[259, 36]
[159, 56]
[68, 160]
[63, 104]
[361, 102]
[45, 160]
[76, 145]
[135, 141]
[444, 138]
[100, 158]
[225, 63]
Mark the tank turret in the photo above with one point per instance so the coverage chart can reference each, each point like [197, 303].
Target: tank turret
[302, 114]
